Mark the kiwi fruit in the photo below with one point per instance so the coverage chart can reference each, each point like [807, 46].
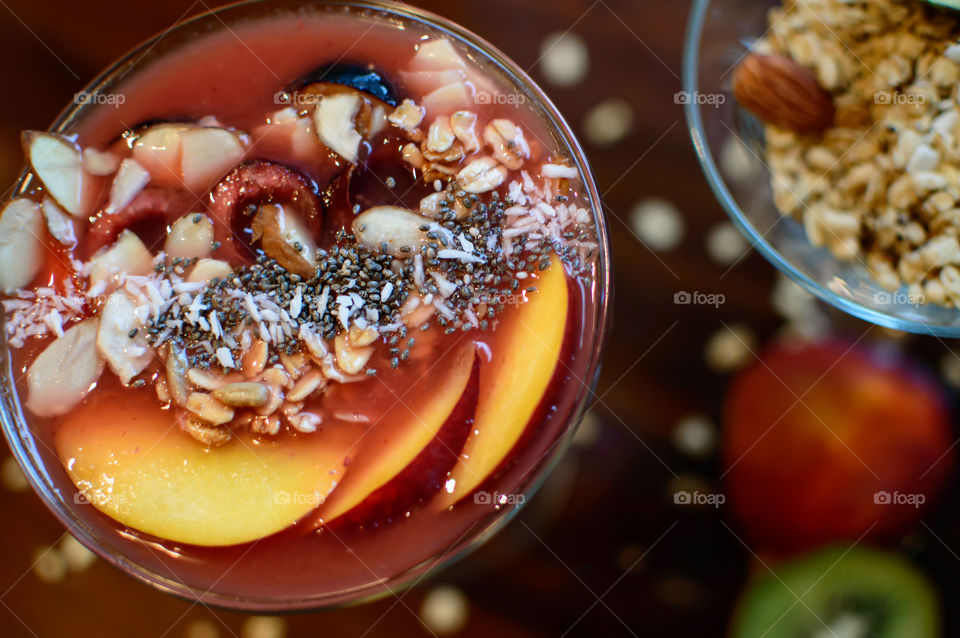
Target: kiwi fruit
[839, 592]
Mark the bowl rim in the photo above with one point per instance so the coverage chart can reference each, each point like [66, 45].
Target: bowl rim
[23, 446]
[705, 156]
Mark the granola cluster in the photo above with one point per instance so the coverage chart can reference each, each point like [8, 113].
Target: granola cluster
[882, 185]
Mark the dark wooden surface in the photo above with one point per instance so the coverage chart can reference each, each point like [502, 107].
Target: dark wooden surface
[601, 551]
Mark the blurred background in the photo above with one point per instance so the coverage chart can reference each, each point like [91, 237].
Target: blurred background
[611, 546]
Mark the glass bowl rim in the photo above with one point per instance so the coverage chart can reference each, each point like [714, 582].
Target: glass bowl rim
[691, 66]
[17, 432]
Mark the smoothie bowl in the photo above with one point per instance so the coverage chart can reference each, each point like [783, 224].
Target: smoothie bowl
[301, 302]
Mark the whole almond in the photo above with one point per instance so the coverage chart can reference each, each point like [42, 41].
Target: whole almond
[781, 92]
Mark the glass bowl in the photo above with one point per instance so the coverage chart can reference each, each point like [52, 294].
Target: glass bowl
[130, 553]
[719, 34]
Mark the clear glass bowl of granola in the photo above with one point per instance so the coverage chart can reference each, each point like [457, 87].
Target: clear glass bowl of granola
[882, 249]
[297, 326]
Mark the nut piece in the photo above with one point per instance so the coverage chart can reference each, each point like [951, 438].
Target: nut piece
[781, 92]
[463, 124]
[396, 228]
[206, 434]
[407, 116]
[305, 422]
[243, 395]
[507, 143]
[481, 175]
[254, 359]
[307, 385]
[209, 410]
[351, 359]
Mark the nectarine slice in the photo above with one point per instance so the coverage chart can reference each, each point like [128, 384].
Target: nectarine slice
[512, 385]
[385, 454]
[134, 464]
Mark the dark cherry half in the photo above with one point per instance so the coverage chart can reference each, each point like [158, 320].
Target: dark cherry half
[362, 78]
[235, 199]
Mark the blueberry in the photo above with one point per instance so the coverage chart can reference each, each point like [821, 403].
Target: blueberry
[361, 78]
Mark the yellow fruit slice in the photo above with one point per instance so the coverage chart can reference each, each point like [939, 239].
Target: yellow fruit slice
[512, 385]
[382, 457]
[136, 466]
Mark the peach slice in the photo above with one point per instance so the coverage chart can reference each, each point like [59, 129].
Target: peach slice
[136, 466]
[512, 385]
[380, 459]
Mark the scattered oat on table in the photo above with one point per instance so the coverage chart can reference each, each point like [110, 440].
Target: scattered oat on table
[48, 565]
[658, 223]
[695, 435]
[564, 58]
[730, 348]
[12, 476]
[77, 557]
[608, 122]
[726, 244]
[950, 369]
[202, 628]
[445, 610]
[588, 432]
[264, 627]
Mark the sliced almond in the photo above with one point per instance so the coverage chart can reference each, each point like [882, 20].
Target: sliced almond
[209, 269]
[21, 251]
[481, 175]
[62, 375]
[396, 228]
[127, 356]
[130, 180]
[127, 256]
[58, 163]
[208, 153]
[100, 163]
[334, 120]
[190, 236]
[59, 223]
[208, 409]
[243, 395]
[159, 150]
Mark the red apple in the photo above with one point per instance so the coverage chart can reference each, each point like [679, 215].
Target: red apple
[832, 441]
